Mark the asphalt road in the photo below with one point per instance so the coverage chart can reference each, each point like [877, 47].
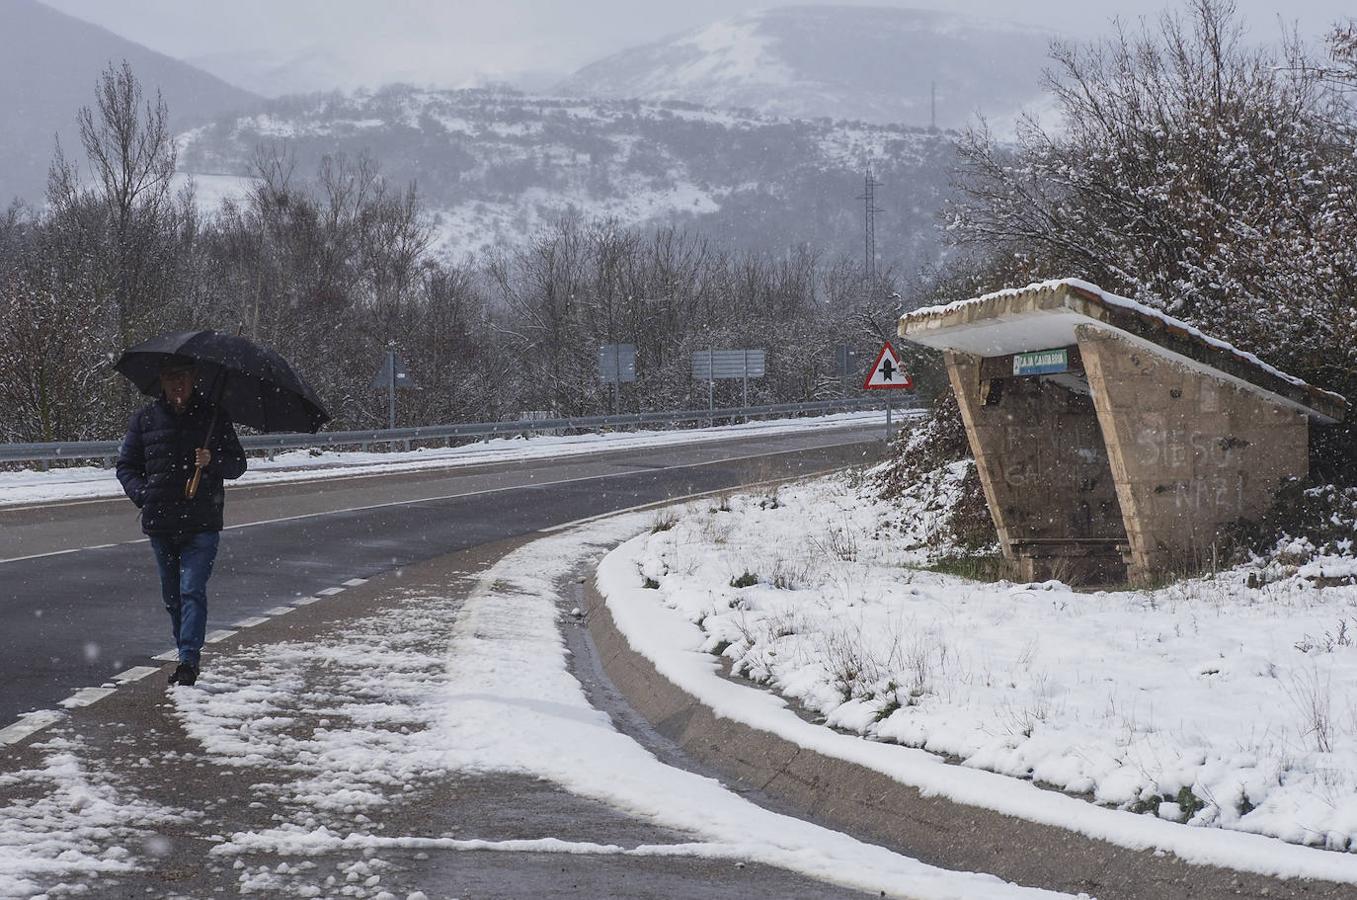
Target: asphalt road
[79, 597]
[358, 668]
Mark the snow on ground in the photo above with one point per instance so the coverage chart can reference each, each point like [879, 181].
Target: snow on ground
[211, 190]
[499, 700]
[1231, 708]
[512, 706]
[69, 825]
[89, 482]
[477, 224]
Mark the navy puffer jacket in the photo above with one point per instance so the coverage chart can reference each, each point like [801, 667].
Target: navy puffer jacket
[157, 459]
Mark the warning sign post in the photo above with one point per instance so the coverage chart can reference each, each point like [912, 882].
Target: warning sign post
[887, 374]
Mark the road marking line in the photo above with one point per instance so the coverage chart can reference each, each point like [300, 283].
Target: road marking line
[86, 697]
[702, 437]
[536, 486]
[22, 729]
[42, 555]
[278, 611]
[136, 673]
[683, 498]
[71, 550]
[495, 490]
[31, 723]
[218, 636]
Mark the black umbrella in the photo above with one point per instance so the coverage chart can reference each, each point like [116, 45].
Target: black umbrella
[254, 385]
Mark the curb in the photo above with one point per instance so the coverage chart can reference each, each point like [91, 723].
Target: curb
[934, 830]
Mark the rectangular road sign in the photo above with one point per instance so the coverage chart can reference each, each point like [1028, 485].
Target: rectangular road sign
[617, 363]
[383, 379]
[1041, 362]
[712, 365]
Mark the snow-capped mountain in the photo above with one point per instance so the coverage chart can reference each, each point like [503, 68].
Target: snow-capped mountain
[877, 64]
[494, 166]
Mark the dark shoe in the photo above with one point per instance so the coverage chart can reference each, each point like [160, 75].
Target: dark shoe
[185, 674]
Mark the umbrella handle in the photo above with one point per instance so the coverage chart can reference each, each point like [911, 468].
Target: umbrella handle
[191, 486]
[218, 385]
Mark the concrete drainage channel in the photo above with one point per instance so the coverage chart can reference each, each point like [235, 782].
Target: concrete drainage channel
[861, 801]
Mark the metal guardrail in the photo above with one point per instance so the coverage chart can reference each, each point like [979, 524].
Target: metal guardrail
[50, 452]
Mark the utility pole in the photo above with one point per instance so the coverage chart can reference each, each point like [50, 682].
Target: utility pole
[391, 385]
[870, 184]
[933, 107]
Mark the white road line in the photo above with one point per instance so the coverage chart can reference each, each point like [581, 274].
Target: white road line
[136, 673]
[439, 499]
[36, 721]
[455, 466]
[683, 498]
[64, 552]
[221, 634]
[43, 555]
[278, 611]
[30, 724]
[86, 697]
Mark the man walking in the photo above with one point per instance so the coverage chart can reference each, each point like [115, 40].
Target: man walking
[166, 440]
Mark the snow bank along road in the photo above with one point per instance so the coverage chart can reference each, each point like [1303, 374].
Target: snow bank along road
[665, 612]
[79, 601]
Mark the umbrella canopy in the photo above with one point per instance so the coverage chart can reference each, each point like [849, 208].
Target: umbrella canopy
[256, 386]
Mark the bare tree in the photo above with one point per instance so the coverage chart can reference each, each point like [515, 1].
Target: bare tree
[131, 155]
[1193, 172]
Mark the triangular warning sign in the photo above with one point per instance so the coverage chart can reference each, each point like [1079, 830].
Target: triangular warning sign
[886, 373]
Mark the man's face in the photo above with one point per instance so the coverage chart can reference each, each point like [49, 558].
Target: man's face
[178, 385]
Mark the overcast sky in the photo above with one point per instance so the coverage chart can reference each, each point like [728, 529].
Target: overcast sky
[455, 42]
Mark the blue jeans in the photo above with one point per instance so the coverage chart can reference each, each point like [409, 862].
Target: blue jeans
[185, 562]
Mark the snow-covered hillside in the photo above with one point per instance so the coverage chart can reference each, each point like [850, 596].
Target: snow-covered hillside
[495, 165]
[872, 63]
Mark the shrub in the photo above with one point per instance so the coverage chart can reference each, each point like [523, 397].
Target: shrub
[747, 579]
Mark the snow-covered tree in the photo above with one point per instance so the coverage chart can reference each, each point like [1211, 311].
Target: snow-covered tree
[1194, 172]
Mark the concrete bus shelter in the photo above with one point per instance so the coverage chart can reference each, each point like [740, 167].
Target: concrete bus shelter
[1114, 442]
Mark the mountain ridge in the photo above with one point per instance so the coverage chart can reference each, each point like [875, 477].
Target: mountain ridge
[876, 64]
[50, 64]
[494, 166]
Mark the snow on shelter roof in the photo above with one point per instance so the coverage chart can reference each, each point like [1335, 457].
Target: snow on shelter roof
[1045, 314]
